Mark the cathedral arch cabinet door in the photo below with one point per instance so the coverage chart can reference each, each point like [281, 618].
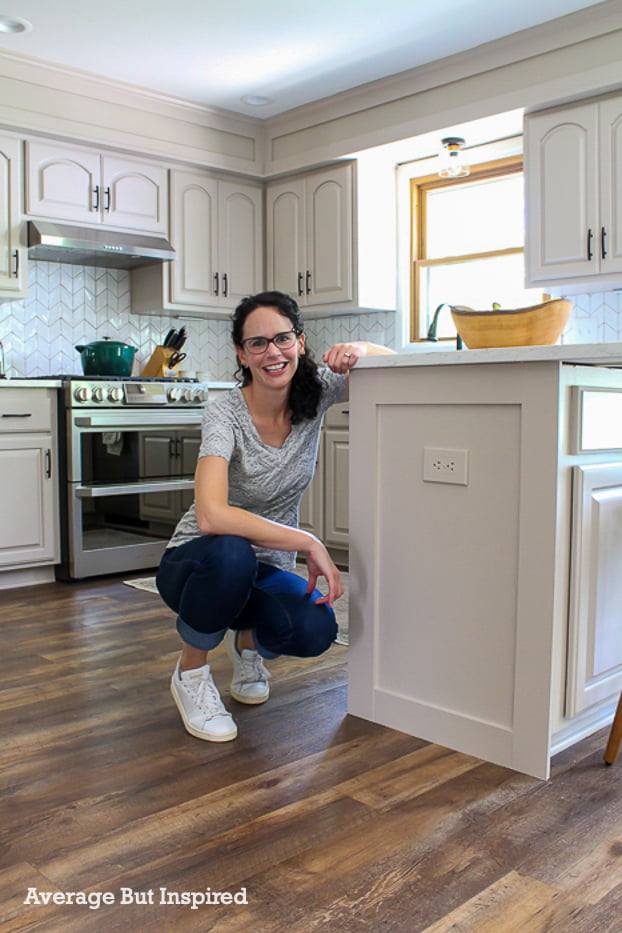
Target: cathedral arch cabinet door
[13, 272]
[574, 194]
[79, 185]
[310, 231]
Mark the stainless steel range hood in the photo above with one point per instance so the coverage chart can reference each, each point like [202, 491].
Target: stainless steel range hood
[85, 246]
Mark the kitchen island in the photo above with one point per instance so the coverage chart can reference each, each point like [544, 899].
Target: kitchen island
[486, 547]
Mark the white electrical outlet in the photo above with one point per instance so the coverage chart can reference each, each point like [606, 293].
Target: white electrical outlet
[444, 465]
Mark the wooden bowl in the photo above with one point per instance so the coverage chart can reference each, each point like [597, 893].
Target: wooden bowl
[539, 325]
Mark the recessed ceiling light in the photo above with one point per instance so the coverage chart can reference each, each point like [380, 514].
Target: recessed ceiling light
[13, 24]
[256, 100]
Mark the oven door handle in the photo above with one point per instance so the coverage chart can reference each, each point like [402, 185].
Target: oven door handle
[149, 419]
[129, 489]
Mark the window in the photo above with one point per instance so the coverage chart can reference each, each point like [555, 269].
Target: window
[467, 244]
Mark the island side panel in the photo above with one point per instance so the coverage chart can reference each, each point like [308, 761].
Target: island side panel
[452, 585]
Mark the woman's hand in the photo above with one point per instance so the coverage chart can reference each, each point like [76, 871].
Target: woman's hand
[343, 356]
[320, 564]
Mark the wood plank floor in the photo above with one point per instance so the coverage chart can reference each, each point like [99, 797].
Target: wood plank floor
[316, 819]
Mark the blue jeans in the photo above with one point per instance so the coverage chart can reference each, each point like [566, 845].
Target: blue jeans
[215, 583]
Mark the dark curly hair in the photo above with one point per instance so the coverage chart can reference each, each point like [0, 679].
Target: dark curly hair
[306, 388]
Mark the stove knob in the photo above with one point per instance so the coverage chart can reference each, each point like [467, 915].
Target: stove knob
[174, 394]
[99, 394]
[187, 395]
[200, 395]
[115, 394]
[82, 394]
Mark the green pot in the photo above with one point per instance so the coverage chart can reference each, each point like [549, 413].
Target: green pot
[107, 358]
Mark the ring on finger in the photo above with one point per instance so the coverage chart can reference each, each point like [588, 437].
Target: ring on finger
[348, 355]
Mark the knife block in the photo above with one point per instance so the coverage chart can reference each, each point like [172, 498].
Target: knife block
[158, 365]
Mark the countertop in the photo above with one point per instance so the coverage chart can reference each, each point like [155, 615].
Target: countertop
[594, 354]
[30, 383]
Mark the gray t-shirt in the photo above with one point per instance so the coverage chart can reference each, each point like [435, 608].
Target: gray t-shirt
[269, 481]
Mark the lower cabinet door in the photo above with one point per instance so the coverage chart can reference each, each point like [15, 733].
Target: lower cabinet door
[29, 527]
[595, 632]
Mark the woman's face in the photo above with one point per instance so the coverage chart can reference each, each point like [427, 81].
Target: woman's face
[274, 367]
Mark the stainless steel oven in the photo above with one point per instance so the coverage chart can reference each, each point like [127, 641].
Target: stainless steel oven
[128, 454]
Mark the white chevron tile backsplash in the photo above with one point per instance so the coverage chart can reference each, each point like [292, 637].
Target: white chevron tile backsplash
[69, 305]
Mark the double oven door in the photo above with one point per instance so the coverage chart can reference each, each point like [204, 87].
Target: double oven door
[129, 479]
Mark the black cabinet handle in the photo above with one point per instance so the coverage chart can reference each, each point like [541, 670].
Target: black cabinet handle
[96, 192]
[216, 283]
[300, 289]
[48, 464]
[16, 268]
[603, 243]
[17, 414]
[308, 282]
[590, 254]
[107, 204]
[224, 284]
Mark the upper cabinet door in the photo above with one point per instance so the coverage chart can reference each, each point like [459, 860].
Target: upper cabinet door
[329, 236]
[286, 235]
[562, 193]
[611, 185]
[134, 195]
[13, 277]
[62, 183]
[240, 244]
[194, 217]
[81, 186]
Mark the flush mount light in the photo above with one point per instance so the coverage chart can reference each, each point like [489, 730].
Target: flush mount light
[11, 24]
[451, 158]
[256, 100]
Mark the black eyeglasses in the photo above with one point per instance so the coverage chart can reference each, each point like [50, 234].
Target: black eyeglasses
[259, 345]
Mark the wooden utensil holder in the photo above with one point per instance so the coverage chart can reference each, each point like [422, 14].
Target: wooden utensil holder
[159, 363]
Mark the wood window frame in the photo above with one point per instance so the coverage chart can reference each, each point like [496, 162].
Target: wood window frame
[419, 187]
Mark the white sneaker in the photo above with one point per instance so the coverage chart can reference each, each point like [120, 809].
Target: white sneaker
[201, 708]
[249, 683]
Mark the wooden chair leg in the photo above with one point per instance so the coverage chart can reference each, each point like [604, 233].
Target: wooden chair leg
[615, 736]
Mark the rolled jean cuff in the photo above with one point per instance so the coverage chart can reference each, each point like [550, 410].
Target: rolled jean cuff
[204, 641]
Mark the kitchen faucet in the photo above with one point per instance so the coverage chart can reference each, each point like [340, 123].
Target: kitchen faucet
[431, 335]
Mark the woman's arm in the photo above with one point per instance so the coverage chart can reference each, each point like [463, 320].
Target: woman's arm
[215, 516]
[341, 357]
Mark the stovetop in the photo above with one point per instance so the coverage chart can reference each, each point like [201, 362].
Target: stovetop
[75, 377]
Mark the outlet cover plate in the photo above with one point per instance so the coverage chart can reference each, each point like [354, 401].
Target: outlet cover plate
[446, 465]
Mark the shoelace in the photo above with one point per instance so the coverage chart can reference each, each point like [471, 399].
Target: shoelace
[206, 697]
[252, 670]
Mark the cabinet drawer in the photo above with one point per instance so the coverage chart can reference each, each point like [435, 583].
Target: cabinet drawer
[26, 410]
[338, 416]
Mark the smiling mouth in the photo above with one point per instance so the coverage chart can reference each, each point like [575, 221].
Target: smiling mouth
[276, 368]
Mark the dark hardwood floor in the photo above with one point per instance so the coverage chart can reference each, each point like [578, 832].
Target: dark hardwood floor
[310, 820]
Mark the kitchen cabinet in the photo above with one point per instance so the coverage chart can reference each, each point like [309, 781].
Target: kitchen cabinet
[486, 615]
[84, 186]
[166, 454]
[13, 271]
[29, 531]
[324, 506]
[310, 236]
[217, 232]
[574, 195]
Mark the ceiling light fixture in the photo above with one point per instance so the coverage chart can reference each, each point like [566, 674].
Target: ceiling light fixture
[11, 24]
[256, 100]
[451, 158]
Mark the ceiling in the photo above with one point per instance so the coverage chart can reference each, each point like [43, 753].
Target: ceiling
[216, 52]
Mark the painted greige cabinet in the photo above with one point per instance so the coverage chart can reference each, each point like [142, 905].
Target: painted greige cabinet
[78, 185]
[217, 233]
[310, 230]
[324, 506]
[13, 270]
[574, 194]
[485, 614]
[29, 531]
